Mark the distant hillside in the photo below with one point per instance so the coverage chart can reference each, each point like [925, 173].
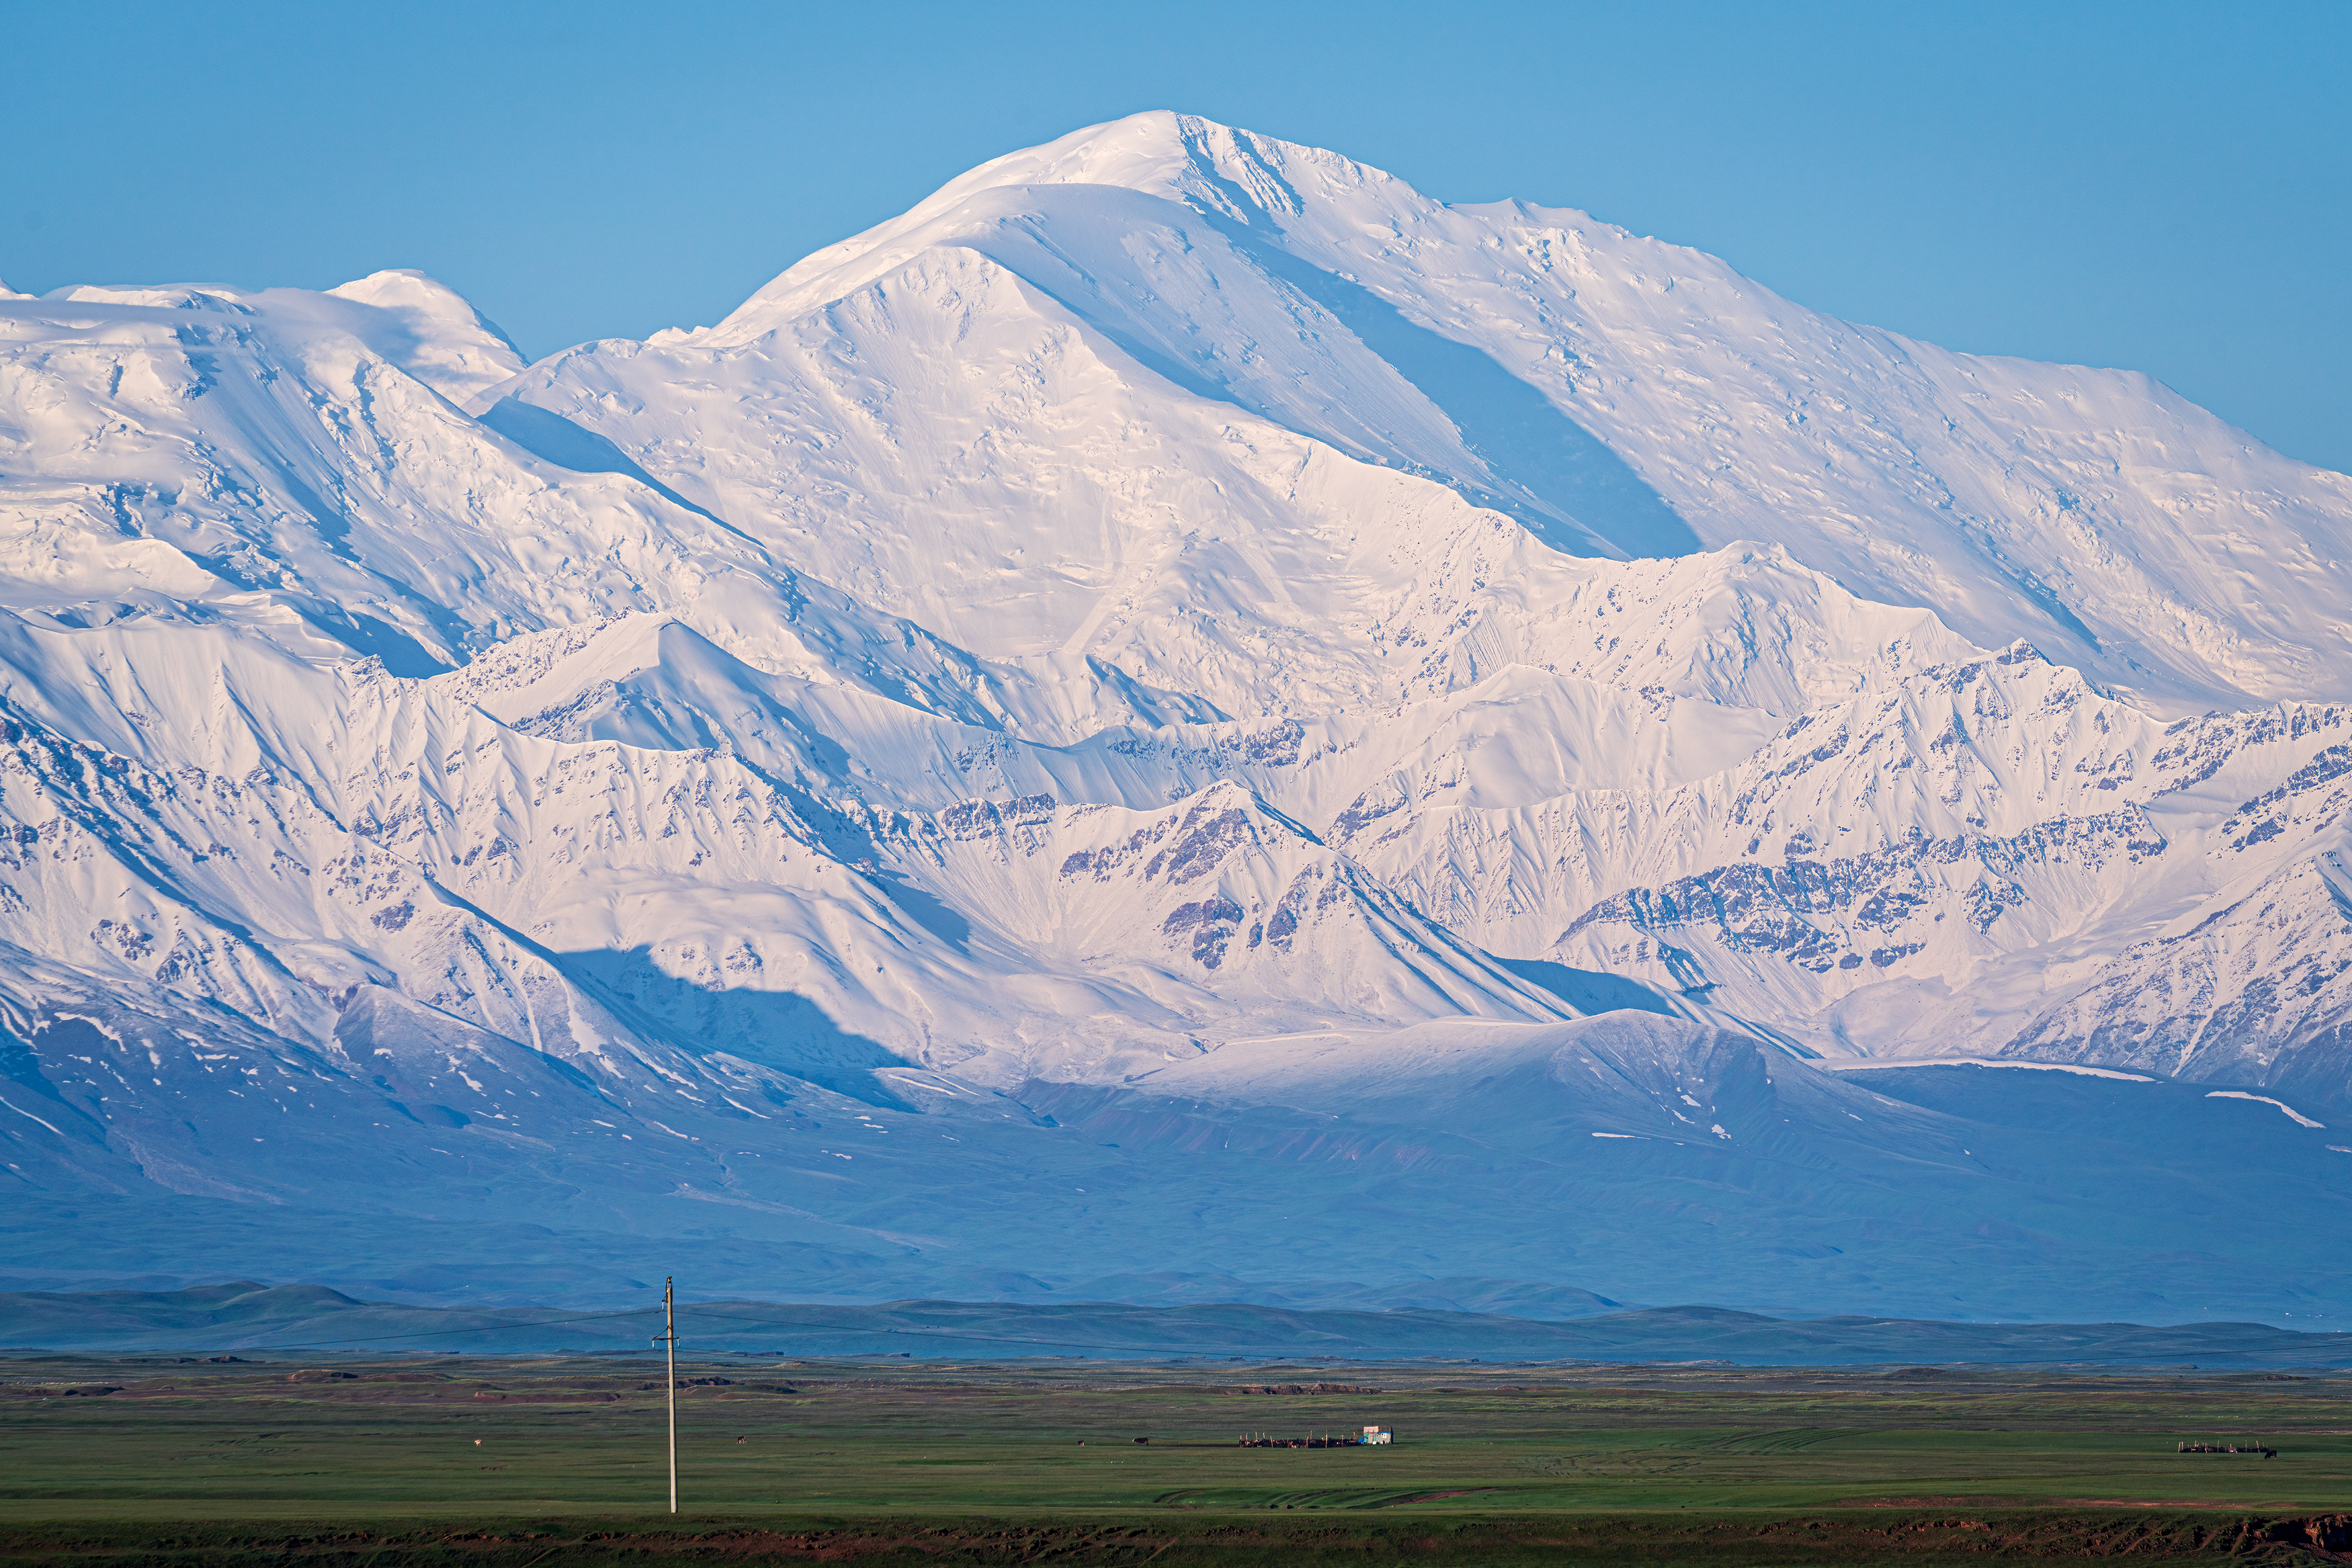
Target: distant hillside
[249, 1319]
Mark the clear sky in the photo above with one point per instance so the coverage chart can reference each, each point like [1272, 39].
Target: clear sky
[2151, 184]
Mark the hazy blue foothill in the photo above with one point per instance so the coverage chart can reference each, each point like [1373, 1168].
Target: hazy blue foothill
[284, 1322]
[1933, 1191]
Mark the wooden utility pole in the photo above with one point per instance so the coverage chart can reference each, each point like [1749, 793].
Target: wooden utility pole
[668, 1336]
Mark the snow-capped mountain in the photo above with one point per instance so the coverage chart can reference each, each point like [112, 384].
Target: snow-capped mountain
[1179, 634]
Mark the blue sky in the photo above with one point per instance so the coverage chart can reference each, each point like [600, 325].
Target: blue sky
[2159, 186]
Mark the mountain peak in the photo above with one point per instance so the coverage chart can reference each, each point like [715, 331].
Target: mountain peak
[450, 346]
[1222, 171]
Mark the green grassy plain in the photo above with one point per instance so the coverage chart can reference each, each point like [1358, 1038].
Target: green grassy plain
[1638, 1458]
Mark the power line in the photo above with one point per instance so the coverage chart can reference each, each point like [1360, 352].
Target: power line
[668, 1336]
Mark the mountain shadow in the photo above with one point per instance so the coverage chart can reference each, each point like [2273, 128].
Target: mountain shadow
[548, 436]
[1589, 990]
[1562, 473]
[779, 1029]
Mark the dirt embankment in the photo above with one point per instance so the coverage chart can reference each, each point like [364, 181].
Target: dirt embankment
[1832, 1537]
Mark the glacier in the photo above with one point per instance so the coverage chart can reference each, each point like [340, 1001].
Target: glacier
[1182, 719]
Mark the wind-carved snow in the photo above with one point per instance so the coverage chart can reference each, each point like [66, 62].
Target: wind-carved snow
[1906, 1064]
[1179, 646]
[433, 333]
[2291, 1115]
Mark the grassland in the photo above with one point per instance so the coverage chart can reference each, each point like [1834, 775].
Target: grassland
[1491, 1462]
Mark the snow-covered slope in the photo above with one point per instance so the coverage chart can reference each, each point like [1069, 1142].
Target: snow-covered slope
[1621, 395]
[1179, 644]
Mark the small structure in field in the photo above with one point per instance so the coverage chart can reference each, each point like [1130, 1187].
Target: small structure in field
[1370, 1437]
